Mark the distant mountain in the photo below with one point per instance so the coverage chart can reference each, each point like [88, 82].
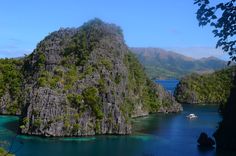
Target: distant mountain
[162, 64]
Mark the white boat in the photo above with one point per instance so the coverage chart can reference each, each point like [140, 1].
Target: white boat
[191, 116]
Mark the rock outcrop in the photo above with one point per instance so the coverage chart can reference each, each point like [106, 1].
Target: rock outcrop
[84, 81]
[204, 141]
[206, 88]
[169, 105]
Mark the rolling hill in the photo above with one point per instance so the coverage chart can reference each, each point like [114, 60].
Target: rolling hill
[162, 64]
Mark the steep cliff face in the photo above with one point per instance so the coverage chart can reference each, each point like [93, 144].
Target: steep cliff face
[76, 83]
[206, 88]
[84, 81]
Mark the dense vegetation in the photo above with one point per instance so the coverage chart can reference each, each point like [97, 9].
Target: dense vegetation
[140, 85]
[137, 87]
[10, 84]
[3, 152]
[206, 88]
[161, 64]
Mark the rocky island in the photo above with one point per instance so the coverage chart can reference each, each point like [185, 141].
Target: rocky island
[80, 81]
[213, 88]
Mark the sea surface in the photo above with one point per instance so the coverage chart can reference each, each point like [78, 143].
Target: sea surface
[154, 135]
[169, 85]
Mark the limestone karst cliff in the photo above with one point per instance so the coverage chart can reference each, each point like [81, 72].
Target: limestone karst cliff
[84, 81]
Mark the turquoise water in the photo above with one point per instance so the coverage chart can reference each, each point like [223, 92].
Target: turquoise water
[154, 135]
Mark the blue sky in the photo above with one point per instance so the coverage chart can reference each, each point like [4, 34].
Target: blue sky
[168, 24]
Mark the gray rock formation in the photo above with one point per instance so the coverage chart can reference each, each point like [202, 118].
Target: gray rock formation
[204, 141]
[84, 81]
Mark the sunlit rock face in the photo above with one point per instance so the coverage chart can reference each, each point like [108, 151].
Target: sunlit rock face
[84, 81]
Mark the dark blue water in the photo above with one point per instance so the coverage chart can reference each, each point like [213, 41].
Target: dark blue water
[169, 85]
[155, 135]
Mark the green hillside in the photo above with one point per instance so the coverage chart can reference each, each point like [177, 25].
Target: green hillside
[161, 64]
[206, 88]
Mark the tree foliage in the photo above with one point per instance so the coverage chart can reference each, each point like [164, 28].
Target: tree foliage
[206, 88]
[91, 98]
[139, 86]
[10, 76]
[222, 17]
[3, 152]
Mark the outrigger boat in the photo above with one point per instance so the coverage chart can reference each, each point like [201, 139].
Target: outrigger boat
[191, 116]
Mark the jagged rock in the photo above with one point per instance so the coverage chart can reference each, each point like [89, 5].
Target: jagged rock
[169, 105]
[84, 81]
[204, 141]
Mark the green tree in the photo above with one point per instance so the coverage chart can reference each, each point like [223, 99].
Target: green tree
[222, 17]
[3, 152]
[91, 98]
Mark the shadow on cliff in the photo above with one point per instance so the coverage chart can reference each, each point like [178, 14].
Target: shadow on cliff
[225, 135]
